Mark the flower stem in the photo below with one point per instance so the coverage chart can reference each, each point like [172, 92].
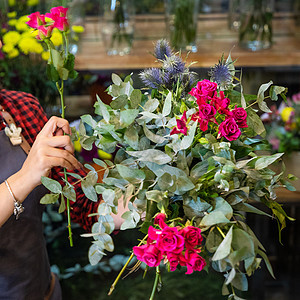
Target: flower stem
[61, 93]
[112, 287]
[157, 278]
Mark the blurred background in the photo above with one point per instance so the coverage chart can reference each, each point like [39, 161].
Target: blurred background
[118, 36]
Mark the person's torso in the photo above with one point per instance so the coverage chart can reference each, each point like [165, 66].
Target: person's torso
[24, 266]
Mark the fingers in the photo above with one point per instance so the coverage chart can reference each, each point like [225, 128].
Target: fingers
[54, 125]
[61, 141]
[63, 159]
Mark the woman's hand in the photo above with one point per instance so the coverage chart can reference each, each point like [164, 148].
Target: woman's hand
[51, 149]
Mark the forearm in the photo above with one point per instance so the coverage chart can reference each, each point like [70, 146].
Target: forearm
[20, 187]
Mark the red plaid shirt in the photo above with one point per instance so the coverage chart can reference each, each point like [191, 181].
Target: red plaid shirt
[29, 115]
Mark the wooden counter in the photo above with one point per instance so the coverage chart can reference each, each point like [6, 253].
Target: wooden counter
[213, 39]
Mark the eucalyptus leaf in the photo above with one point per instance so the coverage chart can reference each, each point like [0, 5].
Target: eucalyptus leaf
[261, 96]
[128, 116]
[167, 105]
[214, 218]
[51, 184]
[116, 79]
[151, 155]
[224, 248]
[131, 175]
[49, 199]
[95, 254]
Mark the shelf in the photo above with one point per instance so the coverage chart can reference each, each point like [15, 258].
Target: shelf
[213, 39]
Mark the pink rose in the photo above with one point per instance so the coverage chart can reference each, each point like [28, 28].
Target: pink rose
[192, 236]
[57, 12]
[221, 103]
[44, 32]
[153, 233]
[149, 254]
[59, 16]
[203, 123]
[204, 89]
[160, 220]
[181, 125]
[170, 240]
[173, 260]
[206, 111]
[36, 20]
[229, 129]
[240, 116]
[205, 114]
[194, 262]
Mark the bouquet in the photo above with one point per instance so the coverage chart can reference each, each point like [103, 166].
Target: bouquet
[184, 164]
[283, 126]
[185, 167]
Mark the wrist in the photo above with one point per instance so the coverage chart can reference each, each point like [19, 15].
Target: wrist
[21, 185]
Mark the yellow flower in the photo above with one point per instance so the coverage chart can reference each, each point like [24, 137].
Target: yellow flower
[8, 48]
[11, 37]
[3, 30]
[32, 2]
[286, 113]
[45, 55]
[29, 44]
[78, 28]
[77, 146]
[104, 155]
[21, 24]
[13, 53]
[11, 2]
[12, 14]
[12, 22]
[56, 38]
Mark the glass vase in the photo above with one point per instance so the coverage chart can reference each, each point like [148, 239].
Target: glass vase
[117, 26]
[234, 15]
[255, 30]
[181, 22]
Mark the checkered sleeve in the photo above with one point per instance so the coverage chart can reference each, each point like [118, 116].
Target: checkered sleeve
[30, 116]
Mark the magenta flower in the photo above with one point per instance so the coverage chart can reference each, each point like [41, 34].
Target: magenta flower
[181, 125]
[229, 129]
[59, 16]
[194, 262]
[36, 20]
[173, 260]
[221, 103]
[170, 240]
[204, 90]
[149, 254]
[160, 220]
[192, 236]
[57, 12]
[240, 116]
[44, 32]
[205, 114]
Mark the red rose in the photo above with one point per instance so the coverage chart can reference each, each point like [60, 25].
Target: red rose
[229, 129]
[173, 260]
[221, 103]
[149, 254]
[170, 240]
[194, 262]
[160, 220]
[192, 236]
[240, 116]
[204, 89]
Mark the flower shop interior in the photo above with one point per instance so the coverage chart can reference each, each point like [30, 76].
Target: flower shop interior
[261, 38]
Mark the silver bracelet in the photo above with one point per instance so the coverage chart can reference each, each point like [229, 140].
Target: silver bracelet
[18, 207]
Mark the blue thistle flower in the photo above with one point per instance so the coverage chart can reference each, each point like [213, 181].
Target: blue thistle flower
[221, 73]
[174, 65]
[152, 78]
[162, 49]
